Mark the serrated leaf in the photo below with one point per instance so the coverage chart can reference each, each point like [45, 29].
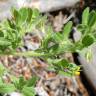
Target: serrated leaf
[85, 16]
[6, 88]
[92, 18]
[67, 29]
[87, 40]
[28, 91]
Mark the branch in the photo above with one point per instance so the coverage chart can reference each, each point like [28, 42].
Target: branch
[27, 54]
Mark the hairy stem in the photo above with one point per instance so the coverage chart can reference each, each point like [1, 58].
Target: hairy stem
[27, 54]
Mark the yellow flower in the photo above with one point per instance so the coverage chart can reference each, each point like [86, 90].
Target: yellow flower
[77, 73]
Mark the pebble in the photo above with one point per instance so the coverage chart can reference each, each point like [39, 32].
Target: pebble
[41, 92]
[14, 94]
[55, 84]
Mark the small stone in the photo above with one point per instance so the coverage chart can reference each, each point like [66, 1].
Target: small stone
[14, 94]
[55, 84]
[41, 92]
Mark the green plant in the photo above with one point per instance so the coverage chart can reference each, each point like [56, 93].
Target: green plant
[53, 44]
[26, 87]
[88, 31]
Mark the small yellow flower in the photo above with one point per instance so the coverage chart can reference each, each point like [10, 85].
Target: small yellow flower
[77, 73]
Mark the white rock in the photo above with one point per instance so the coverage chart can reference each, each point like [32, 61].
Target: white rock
[42, 5]
[14, 94]
[41, 92]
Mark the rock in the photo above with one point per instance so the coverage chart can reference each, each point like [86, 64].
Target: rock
[41, 92]
[42, 5]
[89, 67]
[14, 94]
[51, 5]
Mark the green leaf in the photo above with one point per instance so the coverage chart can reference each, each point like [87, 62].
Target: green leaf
[49, 29]
[67, 29]
[87, 40]
[11, 24]
[89, 55]
[70, 70]
[6, 88]
[66, 46]
[31, 82]
[24, 14]
[16, 15]
[2, 70]
[53, 49]
[28, 91]
[92, 18]
[35, 13]
[59, 62]
[19, 83]
[45, 42]
[59, 48]
[54, 61]
[82, 28]
[64, 67]
[63, 63]
[85, 16]
[1, 34]
[4, 42]
[57, 37]
[29, 15]
[65, 73]
[1, 81]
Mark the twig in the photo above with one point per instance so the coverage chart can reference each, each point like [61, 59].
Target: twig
[70, 17]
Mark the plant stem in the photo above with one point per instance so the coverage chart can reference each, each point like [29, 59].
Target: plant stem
[27, 54]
